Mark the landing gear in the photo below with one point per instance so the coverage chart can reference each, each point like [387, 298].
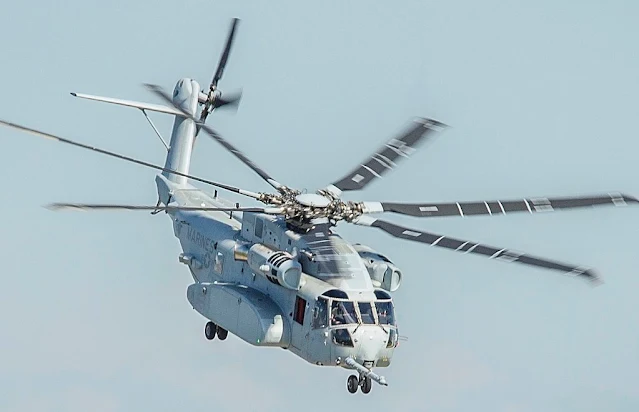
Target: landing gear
[352, 383]
[209, 331]
[222, 333]
[367, 385]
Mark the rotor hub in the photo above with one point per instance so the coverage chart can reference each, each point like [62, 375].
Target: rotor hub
[312, 200]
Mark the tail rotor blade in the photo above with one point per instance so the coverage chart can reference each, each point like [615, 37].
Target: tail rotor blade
[158, 91]
[225, 54]
[230, 102]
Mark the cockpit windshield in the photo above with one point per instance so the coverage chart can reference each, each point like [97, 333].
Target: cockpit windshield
[343, 313]
[366, 310]
[385, 312]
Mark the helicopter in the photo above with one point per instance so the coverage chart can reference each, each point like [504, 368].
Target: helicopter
[280, 275]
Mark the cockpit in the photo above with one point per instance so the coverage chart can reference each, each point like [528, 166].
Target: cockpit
[335, 311]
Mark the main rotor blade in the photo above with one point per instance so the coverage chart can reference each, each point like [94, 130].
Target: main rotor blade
[387, 156]
[499, 207]
[93, 206]
[130, 159]
[225, 54]
[490, 252]
[158, 91]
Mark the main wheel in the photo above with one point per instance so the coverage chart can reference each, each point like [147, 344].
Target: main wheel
[209, 330]
[222, 333]
[367, 385]
[352, 383]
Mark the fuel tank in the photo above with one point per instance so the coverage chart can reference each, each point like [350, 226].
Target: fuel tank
[246, 313]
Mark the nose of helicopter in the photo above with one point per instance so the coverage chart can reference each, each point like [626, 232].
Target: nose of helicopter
[369, 341]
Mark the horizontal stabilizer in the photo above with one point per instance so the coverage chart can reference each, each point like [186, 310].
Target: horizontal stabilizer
[130, 103]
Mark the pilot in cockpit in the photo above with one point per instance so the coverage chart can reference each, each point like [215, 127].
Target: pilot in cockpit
[337, 317]
[383, 317]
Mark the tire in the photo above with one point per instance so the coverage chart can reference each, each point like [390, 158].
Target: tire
[210, 330]
[222, 333]
[352, 384]
[367, 385]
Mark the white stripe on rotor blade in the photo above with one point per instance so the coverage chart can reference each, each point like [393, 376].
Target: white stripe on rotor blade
[490, 212]
[497, 253]
[509, 256]
[386, 159]
[371, 170]
[471, 248]
[364, 221]
[501, 207]
[528, 206]
[382, 162]
[462, 245]
[437, 241]
[461, 212]
[411, 233]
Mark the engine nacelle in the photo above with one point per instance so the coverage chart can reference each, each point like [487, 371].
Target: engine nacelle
[382, 271]
[278, 267]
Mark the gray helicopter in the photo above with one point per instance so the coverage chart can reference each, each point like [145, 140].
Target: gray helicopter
[279, 275]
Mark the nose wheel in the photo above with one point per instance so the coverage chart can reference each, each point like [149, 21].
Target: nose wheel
[354, 382]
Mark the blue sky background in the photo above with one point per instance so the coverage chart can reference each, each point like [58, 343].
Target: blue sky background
[541, 99]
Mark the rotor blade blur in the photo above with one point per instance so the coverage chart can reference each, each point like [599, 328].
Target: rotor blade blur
[94, 206]
[388, 156]
[130, 159]
[230, 102]
[158, 91]
[500, 207]
[475, 248]
[225, 54]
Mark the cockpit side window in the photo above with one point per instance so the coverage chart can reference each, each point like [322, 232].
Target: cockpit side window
[320, 315]
[366, 310]
[392, 339]
[343, 313]
[385, 312]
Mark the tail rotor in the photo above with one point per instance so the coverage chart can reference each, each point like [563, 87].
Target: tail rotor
[213, 99]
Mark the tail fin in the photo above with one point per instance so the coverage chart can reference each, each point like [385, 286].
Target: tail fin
[185, 95]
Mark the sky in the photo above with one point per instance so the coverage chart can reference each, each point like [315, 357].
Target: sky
[541, 100]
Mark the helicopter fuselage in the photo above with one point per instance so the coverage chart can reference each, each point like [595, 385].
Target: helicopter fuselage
[242, 294]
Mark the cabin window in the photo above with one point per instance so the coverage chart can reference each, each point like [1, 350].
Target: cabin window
[259, 227]
[300, 308]
[320, 314]
[218, 265]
